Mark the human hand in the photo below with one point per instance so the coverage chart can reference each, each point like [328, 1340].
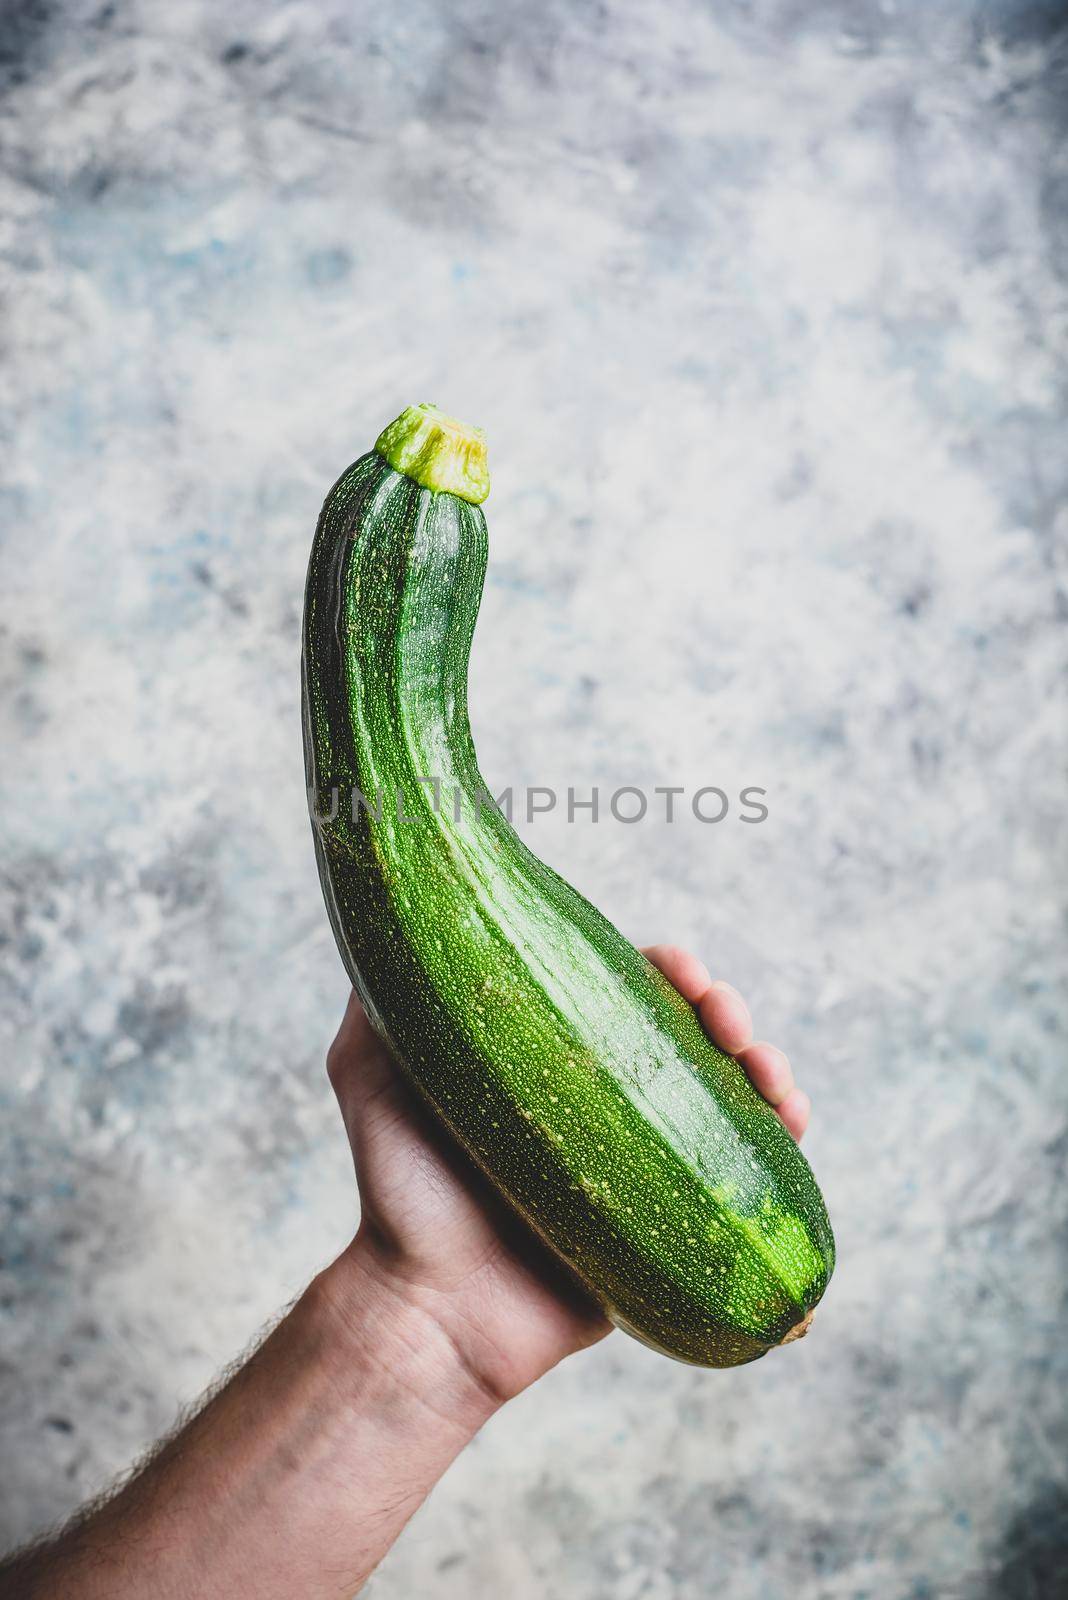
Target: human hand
[435, 1234]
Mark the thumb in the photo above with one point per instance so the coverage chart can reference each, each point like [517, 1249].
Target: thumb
[359, 1066]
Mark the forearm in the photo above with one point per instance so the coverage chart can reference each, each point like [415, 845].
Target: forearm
[299, 1474]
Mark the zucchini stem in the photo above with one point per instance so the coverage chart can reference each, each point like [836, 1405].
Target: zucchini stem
[437, 452]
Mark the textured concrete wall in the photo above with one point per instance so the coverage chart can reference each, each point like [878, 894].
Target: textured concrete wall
[763, 307]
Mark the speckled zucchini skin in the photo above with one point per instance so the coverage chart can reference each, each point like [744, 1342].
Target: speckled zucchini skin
[573, 1073]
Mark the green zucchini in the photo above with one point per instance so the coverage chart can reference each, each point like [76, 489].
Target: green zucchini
[572, 1072]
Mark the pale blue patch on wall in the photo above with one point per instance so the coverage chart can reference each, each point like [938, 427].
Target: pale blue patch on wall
[328, 268]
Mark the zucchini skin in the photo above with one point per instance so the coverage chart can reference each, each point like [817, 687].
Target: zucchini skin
[573, 1073]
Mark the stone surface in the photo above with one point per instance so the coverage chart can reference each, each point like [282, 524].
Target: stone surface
[763, 309]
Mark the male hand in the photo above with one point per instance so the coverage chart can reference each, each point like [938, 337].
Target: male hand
[435, 1234]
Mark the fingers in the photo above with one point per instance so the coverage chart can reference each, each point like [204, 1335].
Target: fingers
[723, 1011]
[771, 1074]
[794, 1112]
[689, 976]
[769, 1071]
[726, 1018]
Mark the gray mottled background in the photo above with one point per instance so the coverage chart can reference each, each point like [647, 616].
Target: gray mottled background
[763, 308]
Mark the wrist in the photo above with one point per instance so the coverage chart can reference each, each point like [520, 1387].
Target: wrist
[373, 1320]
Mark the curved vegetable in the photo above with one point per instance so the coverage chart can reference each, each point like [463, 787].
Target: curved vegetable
[571, 1070]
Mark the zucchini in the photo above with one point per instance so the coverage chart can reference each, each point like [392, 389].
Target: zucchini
[567, 1066]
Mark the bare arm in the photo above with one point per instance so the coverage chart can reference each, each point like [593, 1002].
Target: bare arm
[299, 1474]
